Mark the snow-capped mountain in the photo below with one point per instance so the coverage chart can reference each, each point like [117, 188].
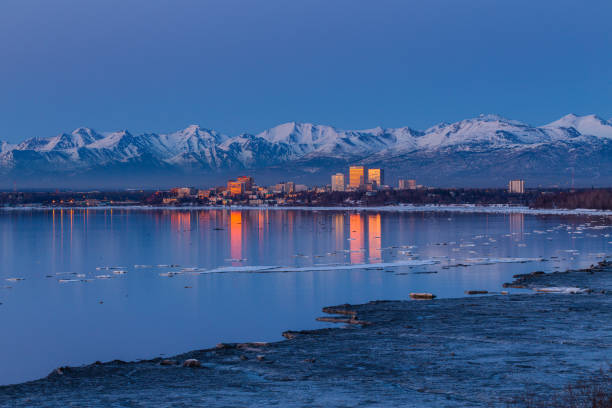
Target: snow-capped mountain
[586, 125]
[486, 149]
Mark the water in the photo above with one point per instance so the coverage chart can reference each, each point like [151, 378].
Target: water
[147, 312]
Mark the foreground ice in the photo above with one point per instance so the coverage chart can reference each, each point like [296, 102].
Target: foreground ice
[319, 267]
[465, 352]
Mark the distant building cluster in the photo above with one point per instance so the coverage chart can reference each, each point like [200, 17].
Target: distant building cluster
[361, 178]
[244, 191]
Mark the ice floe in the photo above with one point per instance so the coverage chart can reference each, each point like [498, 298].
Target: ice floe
[561, 289]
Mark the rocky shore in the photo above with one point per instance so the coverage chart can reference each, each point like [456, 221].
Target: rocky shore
[477, 351]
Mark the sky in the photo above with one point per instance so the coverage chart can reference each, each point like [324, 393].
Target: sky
[244, 66]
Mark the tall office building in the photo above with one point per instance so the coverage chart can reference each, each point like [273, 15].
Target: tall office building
[236, 187]
[376, 177]
[357, 177]
[407, 184]
[516, 186]
[248, 182]
[337, 182]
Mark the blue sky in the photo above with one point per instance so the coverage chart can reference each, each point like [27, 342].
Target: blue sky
[239, 66]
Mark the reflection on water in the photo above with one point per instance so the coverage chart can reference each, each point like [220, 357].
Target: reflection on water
[357, 224]
[148, 311]
[374, 238]
[517, 226]
[236, 237]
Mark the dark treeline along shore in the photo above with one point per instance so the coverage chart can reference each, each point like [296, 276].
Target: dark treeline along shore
[597, 199]
[523, 350]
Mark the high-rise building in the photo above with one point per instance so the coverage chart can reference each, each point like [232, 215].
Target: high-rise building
[337, 182]
[236, 187]
[516, 186]
[407, 184]
[248, 182]
[357, 177]
[376, 177]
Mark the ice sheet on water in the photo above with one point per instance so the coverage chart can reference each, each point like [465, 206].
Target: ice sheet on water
[314, 268]
[491, 261]
[561, 289]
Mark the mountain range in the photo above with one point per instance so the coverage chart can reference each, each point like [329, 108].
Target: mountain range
[484, 151]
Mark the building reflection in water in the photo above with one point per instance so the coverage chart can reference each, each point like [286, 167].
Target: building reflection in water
[338, 220]
[374, 238]
[357, 226]
[517, 225]
[236, 237]
[180, 221]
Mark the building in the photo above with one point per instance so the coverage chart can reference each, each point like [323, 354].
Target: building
[202, 194]
[248, 182]
[181, 192]
[516, 186]
[357, 177]
[376, 177]
[337, 182]
[236, 187]
[284, 187]
[407, 185]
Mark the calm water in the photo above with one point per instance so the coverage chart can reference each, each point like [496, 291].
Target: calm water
[216, 292]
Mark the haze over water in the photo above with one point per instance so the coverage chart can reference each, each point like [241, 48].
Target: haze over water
[196, 278]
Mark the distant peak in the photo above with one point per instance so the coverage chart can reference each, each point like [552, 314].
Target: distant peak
[490, 117]
[82, 130]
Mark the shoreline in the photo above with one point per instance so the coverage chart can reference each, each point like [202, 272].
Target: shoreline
[457, 208]
[443, 340]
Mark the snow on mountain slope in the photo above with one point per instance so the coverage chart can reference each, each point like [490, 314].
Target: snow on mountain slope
[486, 130]
[308, 139]
[304, 144]
[191, 139]
[586, 125]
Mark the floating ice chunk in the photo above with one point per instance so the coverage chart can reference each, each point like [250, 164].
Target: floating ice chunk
[167, 274]
[490, 261]
[314, 268]
[561, 289]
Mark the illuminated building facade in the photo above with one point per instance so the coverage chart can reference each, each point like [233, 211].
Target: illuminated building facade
[516, 186]
[247, 180]
[376, 177]
[337, 182]
[357, 177]
[236, 187]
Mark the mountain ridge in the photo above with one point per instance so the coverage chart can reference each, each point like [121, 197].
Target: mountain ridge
[311, 149]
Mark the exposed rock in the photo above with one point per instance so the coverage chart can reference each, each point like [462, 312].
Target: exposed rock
[422, 296]
[476, 292]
